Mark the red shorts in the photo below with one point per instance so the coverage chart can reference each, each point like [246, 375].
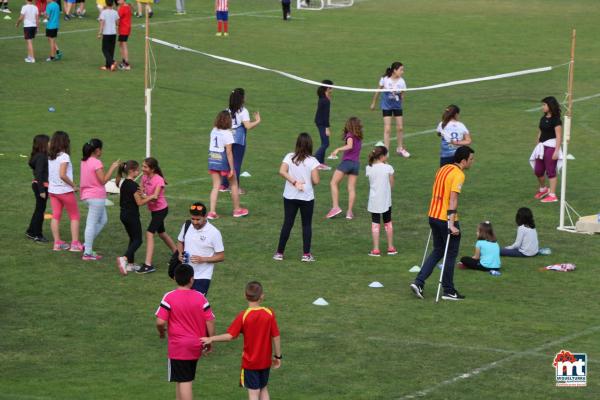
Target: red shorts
[222, 173]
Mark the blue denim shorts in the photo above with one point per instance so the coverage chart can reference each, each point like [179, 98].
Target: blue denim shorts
[349, 167]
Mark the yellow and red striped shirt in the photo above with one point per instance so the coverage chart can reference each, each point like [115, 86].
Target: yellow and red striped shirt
[449, 178]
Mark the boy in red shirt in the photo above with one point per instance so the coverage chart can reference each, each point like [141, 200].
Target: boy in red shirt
[259, 326]
[124, 32]
[186, 315]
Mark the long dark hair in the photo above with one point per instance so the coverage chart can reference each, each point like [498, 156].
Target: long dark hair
[124, 169]
[40, 145]
[236, 100]
[90, 147]
[377, 153]
[152, 163]
[60, 143]
[304, 147]
[486, 232]
[449, 114]
[354, 126]
[395, 65]
[525, 217]
[553, 105]
[322, 89]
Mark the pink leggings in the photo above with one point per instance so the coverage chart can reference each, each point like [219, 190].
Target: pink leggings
[66, 200]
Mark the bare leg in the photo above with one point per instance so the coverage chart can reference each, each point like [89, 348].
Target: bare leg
[214, 193]
[375, 228]
[387, 129]
[264, 394]
[389, 233]
[553, 182]
[400, 131]
[235, 192]
[54, 227]
[184, 391]
[30, 48]
[149, 248]
[335, 192]
[351, 191]
[75, 230]
[253, 394]
[542, 181]
[168, 241]
[124, 51]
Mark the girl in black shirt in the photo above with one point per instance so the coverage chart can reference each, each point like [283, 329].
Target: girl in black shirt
[38, 161]
[549, 136]
[322, 122]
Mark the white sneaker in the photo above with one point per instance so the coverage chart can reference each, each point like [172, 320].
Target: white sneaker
[402, 151]
[29, 60]
[133, 267]
[122, 265]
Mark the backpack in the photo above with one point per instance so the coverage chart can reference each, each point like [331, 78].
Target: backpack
[174, 261]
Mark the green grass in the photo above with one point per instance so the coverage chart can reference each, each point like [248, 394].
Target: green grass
[74, 330]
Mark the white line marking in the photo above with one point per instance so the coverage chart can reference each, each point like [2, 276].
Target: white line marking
[574, 101]
[412, 134]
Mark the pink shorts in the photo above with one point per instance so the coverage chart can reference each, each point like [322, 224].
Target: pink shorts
[66, 200]
[222, 173]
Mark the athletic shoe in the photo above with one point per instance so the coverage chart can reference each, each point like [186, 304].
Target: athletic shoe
[225, 34]
[323, 167]
[218, 34]
[49, 59]
[417, 290]
[551, 198]
[212, 215]
[122, 265]
[541, 193]
[278, 257]
[6, 11]
[40, 239]
[452, 296]
[392, 251]
[30, 236]
[224, 189]
[240, 212]
[29, 60]
[76, 247]
[307, 258]
[145, 269]
[60, 245]
[79, 15]
[93, 256]
[402, 152]
[133, 267]
[127, 67]
[180, 13]
[333, 212]
[103, 68]
[349, 215]
[66, 18]
[375, 253]
[59, 55]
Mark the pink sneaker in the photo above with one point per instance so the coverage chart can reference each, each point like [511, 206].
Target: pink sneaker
[240, 212]
[212, 215]
[122, 265]
[375, 253]
[76, 247]
[551, 198]
[324, 167]
[402, 151]
[392, 251]
[91, 257]
[349, 215]
[541, 193]
[333, 212]
[60, 245]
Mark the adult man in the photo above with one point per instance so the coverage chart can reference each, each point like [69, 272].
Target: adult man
[443, 220]
[204, 246]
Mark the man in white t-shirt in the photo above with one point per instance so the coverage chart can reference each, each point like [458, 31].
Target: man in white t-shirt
[30, 18]
[201, 246]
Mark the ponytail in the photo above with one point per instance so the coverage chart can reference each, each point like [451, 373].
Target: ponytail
[449, 114]
[90, 147]
[124, 169]
[377, 153]
[152, 163]
[390, 70]
[236, 101]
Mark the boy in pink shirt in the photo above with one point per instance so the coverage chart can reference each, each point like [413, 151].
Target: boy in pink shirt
[186, 316]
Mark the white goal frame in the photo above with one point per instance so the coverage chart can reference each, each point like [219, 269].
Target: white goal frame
[323, 4]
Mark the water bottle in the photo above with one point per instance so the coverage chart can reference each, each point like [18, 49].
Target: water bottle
[186, 257]
[495, 272]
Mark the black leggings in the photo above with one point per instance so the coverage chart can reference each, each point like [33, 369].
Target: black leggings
[472, 263]
[286, 10]
[387, 217]
[290, 208]
[37, 219]
[133, 226]
[108, 49]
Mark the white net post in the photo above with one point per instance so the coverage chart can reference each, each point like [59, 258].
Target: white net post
[148, 96]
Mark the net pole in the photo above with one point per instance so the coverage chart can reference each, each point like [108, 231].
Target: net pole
[147, 89]
[567, 135]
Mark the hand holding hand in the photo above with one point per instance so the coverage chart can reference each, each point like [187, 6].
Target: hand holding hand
[206, 340]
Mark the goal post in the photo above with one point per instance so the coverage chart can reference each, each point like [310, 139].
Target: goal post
[316, 5]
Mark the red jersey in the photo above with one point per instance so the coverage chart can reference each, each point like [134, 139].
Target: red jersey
[125, 20]
[259, 326]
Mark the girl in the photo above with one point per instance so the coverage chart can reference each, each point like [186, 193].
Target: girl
[453, 133]
[381, 181]
[147, 7]
[353, 135]
[487, 251]
[38, 161]
[220, 162]
[526, 243]
[130, 200]
[300, 171]
[549, 138]
[322, 122]
[153, 184]
[93, 179]
[61, 190]
[391, 105]
[241, 124]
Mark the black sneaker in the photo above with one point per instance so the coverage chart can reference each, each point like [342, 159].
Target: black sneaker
[417, 290]
[40, 239]
[30, 236]
[452, 296]
[145, 269]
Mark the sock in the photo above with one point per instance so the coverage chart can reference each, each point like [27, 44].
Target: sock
[225, 23]
[219, 26]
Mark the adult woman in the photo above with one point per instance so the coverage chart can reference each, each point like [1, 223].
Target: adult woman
[322, 122]
[548, 149]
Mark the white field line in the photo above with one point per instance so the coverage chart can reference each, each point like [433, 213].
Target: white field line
[407, 135]
[494, 364]
[574, 101]
[274, 16]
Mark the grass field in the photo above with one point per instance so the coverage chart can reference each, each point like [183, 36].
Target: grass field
[77, 330]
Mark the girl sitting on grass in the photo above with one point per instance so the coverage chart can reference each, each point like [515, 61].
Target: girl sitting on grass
[487, 251]
[526, 244]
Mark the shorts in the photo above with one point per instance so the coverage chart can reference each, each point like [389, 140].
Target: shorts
[66, 200]
[79, 1]
[181, 370]
[70, 1]
[254, 379]
[222, 173]
[29, 32]
[349, 167]
[222, 15]
[123, 38]
[396, 112]
[52, 33]
[157, 223]
[201, 285]
[387, 217]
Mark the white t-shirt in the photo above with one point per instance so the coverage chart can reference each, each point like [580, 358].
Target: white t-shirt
[301, 172]
[454, 130]
[380, 190]
[219, 138]
[241, 116]
[397, 85]
[110, 18]
[55, 184]
[30, 15]
[203, 242]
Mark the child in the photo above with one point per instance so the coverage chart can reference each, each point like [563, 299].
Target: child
[391, 105]
[453, 133]
[61, 190]
[187, 316]
[147, 7]
[549, 140]
[4, 7]
[53, 14]
[259, 326]
[41, 6]
[109, 19]
[220, 164]
[93, 179]
[350, 165]
[124, 32]
[487, 251]
[381, 181]
[30, 18]
[80, 12]
[38, 161]
[69, 5]
[526, 243]
[153, 184]
[322, 122]
[285, 7]
[222, 11]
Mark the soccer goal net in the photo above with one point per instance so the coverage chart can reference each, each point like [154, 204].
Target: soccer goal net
[322, 4]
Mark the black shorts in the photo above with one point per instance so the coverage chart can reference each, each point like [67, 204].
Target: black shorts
[349, 167]
[79, 1]
[123, 38]
[182, 370]
[52, 33]
[387, 217]
[392, 113]
[254, 379]
[157, 223]
[29, 32]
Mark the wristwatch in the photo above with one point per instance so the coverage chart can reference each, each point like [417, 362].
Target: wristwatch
[278, 357]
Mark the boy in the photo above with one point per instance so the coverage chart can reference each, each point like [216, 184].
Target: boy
[108, 32]
[53, 15]
[222, 10]
[30, 17]
[187, 316]
[124, 32]
[259, 327]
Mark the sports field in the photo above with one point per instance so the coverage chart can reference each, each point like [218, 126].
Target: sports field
[78, 330]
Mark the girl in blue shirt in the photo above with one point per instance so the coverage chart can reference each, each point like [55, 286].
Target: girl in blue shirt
[487, 251]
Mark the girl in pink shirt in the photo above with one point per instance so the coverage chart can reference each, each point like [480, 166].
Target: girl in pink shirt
[153, 184]
[93, 179]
